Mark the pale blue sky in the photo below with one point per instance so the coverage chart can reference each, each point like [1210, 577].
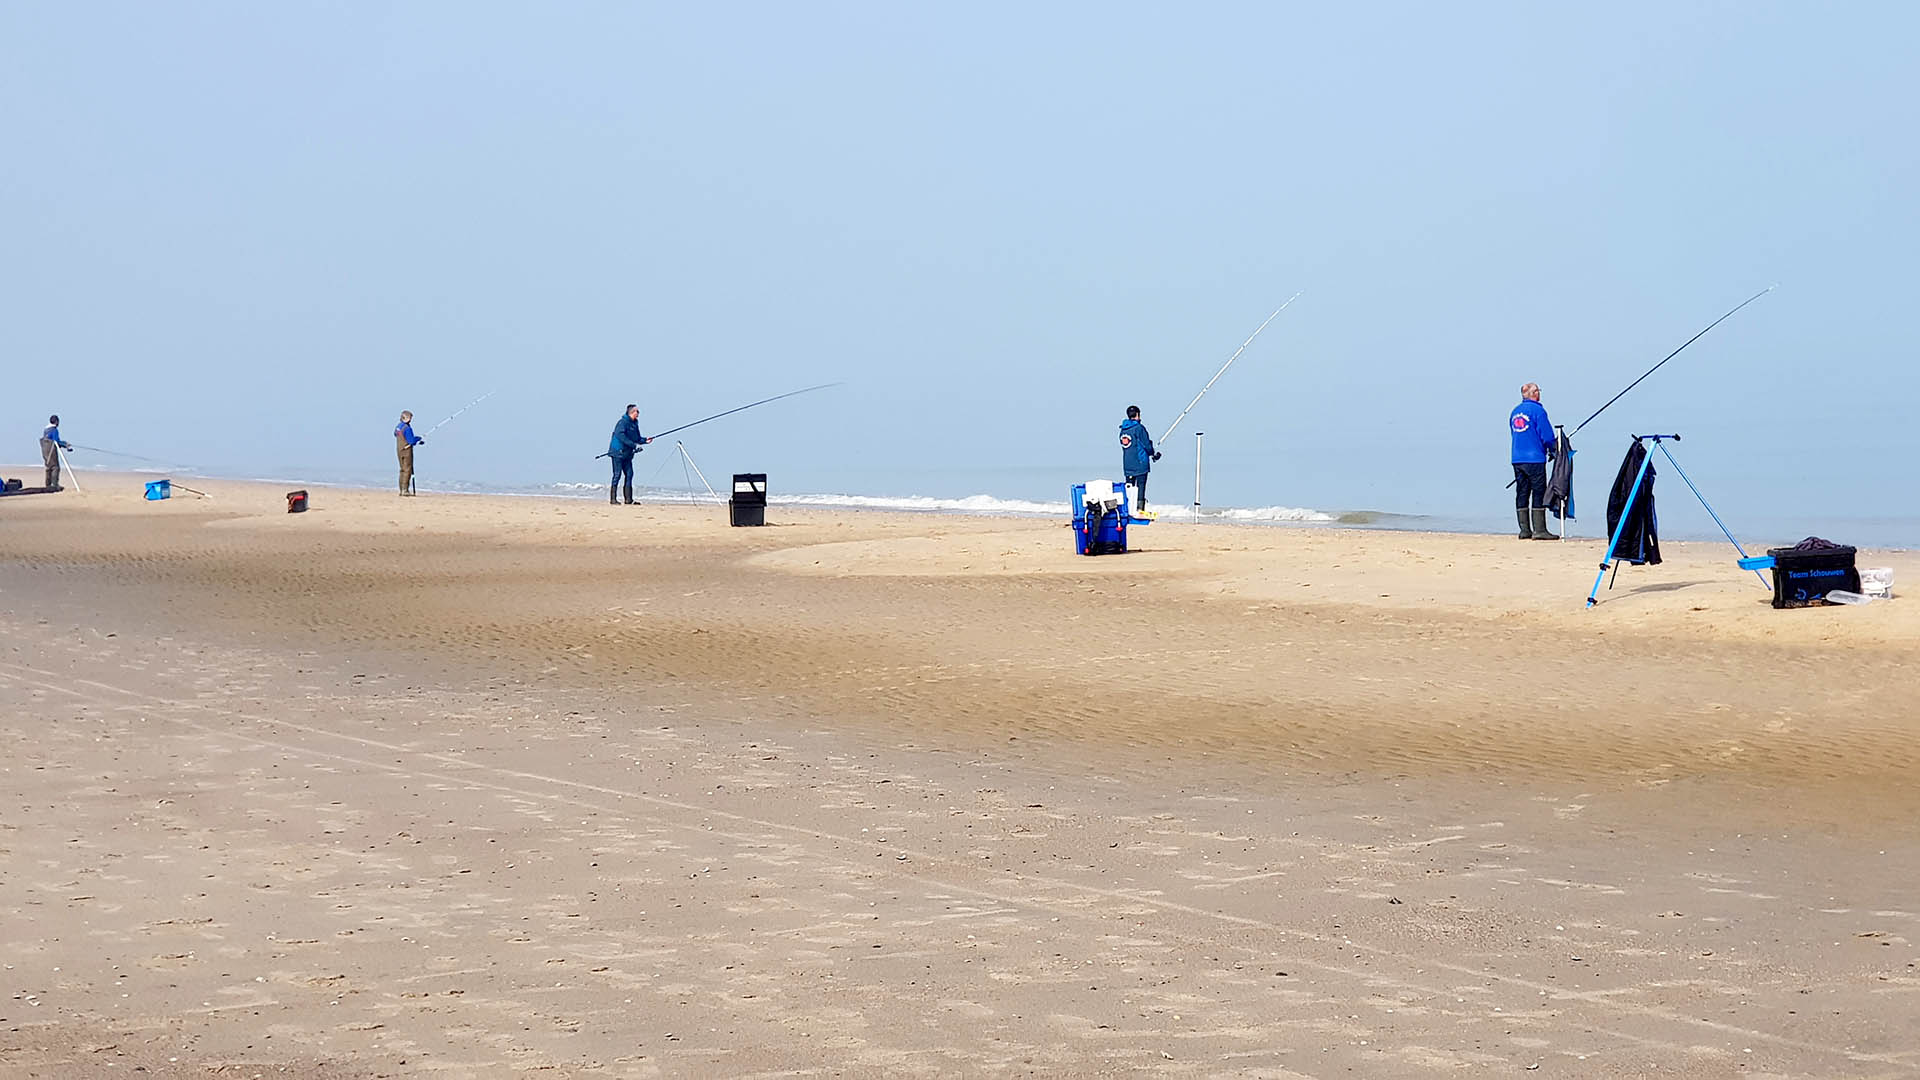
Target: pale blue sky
[245, 236]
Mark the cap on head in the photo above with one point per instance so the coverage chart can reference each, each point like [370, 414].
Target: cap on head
[1133, 412]
[53, 419]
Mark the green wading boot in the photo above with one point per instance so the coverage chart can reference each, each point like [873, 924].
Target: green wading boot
[1526, 524]
[1540, 526]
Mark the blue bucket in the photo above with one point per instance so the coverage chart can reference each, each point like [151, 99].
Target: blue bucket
[159, 489]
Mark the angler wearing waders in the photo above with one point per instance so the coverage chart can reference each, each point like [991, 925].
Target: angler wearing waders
[1533, 445]
[404, 440]
[50, 446]
[1137, 455]
[625, 443]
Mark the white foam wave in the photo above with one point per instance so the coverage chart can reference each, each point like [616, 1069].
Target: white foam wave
[966, 504]
[996, 506]
[1250, 514]
[986, 505]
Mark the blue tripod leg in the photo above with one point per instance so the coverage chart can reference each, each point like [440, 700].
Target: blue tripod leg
[1626, 514]
[1716, 517]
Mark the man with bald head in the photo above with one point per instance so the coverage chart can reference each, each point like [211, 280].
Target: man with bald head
[1533, 445]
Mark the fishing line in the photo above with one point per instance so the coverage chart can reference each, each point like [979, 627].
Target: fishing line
[664, 462]
[116, 453]
[1223, 367]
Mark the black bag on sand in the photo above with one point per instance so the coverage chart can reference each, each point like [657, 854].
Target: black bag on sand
[1805, 573]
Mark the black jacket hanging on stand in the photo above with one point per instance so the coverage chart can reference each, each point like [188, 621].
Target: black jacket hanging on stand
[1560, 484]
[1640, 543]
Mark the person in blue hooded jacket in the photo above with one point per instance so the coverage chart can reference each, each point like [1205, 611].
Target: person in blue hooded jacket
[1533, 444]
[1137, 455]
[625, 443]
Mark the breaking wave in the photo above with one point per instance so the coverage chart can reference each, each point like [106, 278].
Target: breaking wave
[988, 505]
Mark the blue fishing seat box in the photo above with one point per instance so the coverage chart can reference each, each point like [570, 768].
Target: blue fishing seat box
[1100, 520]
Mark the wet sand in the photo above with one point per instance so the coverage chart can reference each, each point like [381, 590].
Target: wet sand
[474, 786]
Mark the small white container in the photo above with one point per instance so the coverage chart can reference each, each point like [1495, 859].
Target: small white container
[1877, 581]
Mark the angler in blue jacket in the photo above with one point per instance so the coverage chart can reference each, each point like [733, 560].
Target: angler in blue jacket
[50, 446]
[1137, 455]
[404, 440]
[625, 443]
[1533, 446]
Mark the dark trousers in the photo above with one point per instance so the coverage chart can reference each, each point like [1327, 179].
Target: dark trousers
[50, 457]
[406, 469]
[1139, 485]
[622, 471]
[1529, 485]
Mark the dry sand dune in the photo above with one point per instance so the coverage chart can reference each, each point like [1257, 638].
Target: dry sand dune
[1410, 769]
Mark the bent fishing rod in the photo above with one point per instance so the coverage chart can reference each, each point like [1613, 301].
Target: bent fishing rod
[1223, 367]
[730, 412]
[1670, 356]
[1568, 435]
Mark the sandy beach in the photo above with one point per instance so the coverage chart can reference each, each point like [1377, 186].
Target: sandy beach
[477, 786]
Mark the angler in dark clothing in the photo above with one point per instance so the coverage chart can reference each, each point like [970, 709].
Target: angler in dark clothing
[1137, 455]
[50, 446]
[625, 443]
[1533, 444]
[1640, 542]
[404, 440]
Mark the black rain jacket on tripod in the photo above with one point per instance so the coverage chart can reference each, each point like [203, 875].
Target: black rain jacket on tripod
[1640, 542]
[1560, 484]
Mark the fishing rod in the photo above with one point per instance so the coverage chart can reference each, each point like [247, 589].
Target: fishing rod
[1566, 435]
[1223, 367]
[730, 412]
[1670, 356]
[462, 409]
[743, 408]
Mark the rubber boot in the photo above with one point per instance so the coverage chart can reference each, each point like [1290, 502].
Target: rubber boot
[628, 492]
[613, 494]
[1540, 526]
[1526, 524]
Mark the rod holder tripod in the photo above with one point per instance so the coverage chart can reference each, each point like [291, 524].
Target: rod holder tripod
[1626, 511]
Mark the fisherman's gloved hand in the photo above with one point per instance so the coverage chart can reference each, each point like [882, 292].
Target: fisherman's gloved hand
[1156, 455]
[419, 442]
